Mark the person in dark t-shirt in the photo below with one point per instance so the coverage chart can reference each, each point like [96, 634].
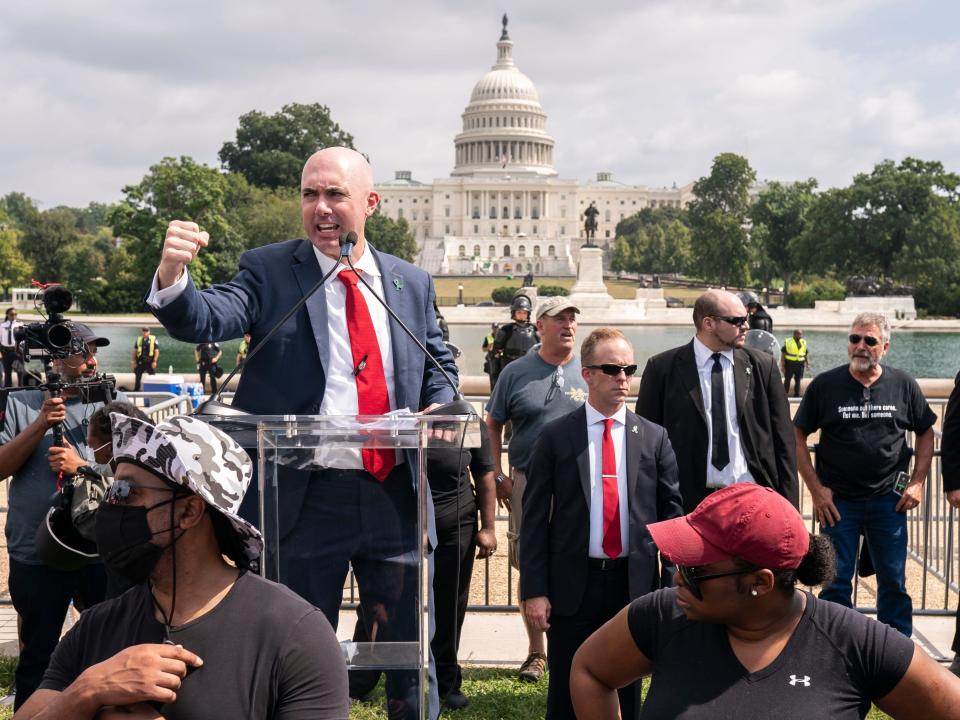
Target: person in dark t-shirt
[863, 411]
[196, 636]
[735, 638]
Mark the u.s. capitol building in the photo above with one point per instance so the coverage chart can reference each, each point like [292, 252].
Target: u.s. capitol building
[504, 208]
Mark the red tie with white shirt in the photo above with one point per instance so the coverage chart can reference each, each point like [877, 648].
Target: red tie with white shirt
[372, 397]
[612, 544]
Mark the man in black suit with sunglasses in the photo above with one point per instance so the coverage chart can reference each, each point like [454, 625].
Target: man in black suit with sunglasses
[860, 484]
[723, 406]
[596, 478]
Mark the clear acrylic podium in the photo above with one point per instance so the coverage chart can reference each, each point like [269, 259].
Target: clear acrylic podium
[308, 444]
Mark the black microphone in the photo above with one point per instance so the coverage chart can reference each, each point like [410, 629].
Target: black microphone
[347, 243]
[213, 405]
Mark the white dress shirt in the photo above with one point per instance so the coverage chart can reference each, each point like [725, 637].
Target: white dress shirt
[340, 394]
[736, 470]
[7, 328]
[595, 447]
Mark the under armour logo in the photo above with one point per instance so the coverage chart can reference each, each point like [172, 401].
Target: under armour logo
[805, 680]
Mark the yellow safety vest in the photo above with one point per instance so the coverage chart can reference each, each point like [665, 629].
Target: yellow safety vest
[139, 345]
[794, 353]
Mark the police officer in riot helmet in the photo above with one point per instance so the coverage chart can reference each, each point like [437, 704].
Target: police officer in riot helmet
[759, 318]
[513, 339]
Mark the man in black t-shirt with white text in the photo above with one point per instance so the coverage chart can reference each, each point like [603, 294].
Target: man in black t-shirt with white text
[863, 411]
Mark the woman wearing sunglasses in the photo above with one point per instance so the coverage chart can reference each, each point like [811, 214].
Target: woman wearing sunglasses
[736, 638]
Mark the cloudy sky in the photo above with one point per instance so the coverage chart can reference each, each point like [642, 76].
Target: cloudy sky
[95, 92]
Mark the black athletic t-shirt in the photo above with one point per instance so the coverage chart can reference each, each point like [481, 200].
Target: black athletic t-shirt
[266, 653]
[863, 430]
[836, 662]
[442, 467]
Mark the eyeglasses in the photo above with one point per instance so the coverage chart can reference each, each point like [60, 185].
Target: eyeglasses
[855, 339]
[736, 321]
[692, 579]
[558, 377]
[119, 491]
[614, 369]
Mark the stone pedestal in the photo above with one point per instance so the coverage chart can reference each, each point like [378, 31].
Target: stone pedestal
[590, 273]
[895, 307]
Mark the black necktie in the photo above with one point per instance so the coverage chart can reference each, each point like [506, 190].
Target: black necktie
[719, 455]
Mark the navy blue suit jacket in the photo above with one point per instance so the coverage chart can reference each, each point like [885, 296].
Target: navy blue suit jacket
[288, 375]
[555, 532]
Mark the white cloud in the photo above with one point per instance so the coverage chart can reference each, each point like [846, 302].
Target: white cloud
[96, 92]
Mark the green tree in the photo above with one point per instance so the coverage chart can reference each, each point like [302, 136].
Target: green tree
[870, 226]
[270, 150]
[621, 256]
[391, 236]
[84, 261]
[15, 269]
[44, 240]
[720, 245]
[178, 189]
[654, 240]
[779, 218]
[19, 208]
[262, 215]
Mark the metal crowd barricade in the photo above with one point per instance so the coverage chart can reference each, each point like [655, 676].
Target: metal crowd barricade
[933, 561]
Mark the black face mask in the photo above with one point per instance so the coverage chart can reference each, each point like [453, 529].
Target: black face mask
[123, 540]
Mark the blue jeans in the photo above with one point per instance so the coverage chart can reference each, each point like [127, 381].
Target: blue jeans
[885, 532]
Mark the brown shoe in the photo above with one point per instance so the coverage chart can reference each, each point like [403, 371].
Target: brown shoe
[533, 667]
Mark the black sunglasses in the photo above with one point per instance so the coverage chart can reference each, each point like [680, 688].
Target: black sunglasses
[870, 340]
[692, 579]
[737, 320]
[614, 369]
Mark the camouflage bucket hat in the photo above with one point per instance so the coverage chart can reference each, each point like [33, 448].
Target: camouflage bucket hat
[189, 452]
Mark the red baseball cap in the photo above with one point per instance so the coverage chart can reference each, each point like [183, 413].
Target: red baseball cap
[744, 520]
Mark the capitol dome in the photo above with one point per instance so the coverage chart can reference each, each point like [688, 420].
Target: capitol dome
[504, 125]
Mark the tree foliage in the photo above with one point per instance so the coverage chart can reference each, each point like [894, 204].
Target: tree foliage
[179, 189]
[390, 236]
[779, 217]
[874, 226]
[269, 150]
[720, 244]
[652, 241]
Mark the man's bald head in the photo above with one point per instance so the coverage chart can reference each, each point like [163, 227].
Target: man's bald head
[336, 198]
[716, 302]
[351, 163]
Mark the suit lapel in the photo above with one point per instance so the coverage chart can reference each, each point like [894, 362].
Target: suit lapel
[633, 433]
[399, 302]
[686, 368]
[307, 271]
[581, 450]
[741, 379]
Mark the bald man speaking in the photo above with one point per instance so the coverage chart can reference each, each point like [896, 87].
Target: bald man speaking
[340, 354]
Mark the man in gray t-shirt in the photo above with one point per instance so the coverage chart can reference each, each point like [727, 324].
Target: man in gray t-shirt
[40, 594]
[541, 386]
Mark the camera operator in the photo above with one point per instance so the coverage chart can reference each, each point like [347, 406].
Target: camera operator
[40, 594]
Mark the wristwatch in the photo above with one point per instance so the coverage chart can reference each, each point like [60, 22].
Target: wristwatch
[500, 477]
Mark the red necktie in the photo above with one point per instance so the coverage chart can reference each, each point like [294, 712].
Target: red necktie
[372, 398]
[611, 498]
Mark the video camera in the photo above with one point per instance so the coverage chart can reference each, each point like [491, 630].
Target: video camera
[56, 339]
[53, 338]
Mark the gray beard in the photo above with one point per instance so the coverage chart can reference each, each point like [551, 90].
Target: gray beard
[863, 364]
